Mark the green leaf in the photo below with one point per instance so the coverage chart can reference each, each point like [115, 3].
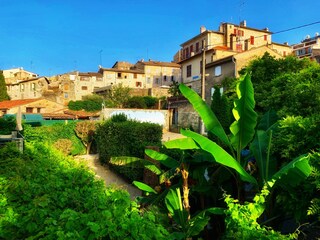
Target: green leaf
[174, 206]
[219, 154]
[144, 187]
[243, 128]
[181, 143]
[134, 162]
[295, 171]
[268, 121]
[260, 147]
[208, 117]
[162, 158]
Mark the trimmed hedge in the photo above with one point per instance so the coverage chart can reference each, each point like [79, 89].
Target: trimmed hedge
[127, 138]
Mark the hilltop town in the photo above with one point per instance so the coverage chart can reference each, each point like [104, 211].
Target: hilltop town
[225, 52]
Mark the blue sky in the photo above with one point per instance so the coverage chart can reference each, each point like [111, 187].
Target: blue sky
[57, 36]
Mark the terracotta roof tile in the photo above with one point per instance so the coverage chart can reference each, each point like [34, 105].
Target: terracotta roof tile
[15, 103]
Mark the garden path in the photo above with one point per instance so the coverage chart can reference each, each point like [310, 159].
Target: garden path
[110, 178]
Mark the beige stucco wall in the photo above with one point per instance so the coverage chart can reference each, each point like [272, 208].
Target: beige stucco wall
[28, 89]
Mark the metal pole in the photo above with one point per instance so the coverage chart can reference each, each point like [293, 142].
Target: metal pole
[203, 75]
[203, 82]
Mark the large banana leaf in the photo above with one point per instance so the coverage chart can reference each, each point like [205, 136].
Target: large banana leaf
[294, 172]
[260, 147]
[219, 154]
[134, 162]
[182, 143]
[243, 128]
[268, 121]
[208, 117]
[144, 187]
[174, 206]
[162, 158]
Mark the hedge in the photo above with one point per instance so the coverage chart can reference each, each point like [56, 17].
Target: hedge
[127, 138]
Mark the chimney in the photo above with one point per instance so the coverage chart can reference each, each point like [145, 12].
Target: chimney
[202, 29]
[266, 29]
[286, 43]
[243, 23]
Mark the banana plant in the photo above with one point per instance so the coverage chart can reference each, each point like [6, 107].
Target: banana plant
[242, 129]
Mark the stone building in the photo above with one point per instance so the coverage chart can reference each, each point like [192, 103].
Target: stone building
[229, 40]
[309, 47]
[17, 74]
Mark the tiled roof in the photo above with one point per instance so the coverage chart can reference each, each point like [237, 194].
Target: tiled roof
[15, 103]
[162, 64]
[90, 74]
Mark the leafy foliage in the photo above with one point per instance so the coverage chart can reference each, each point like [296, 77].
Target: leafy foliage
[117, 96]
[52, 134]
[90, 103]
[127, 138]
[44, 195]
[290, 85]
[120, 117]
[174, 89]
[242, 220]
[3, 88]
[85, 130]
[7, 125]
[135, 102]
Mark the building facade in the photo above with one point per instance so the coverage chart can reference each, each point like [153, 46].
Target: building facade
[309, 47]
[211, 46]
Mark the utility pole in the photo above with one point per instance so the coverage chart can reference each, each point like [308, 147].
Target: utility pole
[203, 82]
[203, 75]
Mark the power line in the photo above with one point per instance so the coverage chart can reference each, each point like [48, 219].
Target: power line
[302, 26]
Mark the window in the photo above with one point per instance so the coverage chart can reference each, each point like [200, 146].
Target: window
[66, 95]
[172, 78]
[22, 88]
[189, 71]
[29, 110]
[135, 75]
[148, 80]
[84, 88]
[187, 52]
[165, 77]
[138, 84]
[265, 37]
[284, 53]
[33, 86]
[157, 80]
[197, 47]
[38, 110]
[119, 75]
[217, 71]
[252, 40]
[191, 49]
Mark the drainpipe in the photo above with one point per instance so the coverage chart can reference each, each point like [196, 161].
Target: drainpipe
[235, 66]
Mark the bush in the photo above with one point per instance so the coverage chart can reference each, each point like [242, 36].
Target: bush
[120, 117]
[127, 138]
[150, 101]
[45, 195]
[54, 133]
[7, 125]
[90, 103]
[135, 102]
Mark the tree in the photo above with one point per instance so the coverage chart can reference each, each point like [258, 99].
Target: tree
[174, 89]
[3, 88]
[264, 73]
[85, 131]
[117, 96]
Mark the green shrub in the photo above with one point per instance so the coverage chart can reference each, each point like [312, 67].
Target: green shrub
[49, 196]
[90, 103]
[135, 102]
[52, 134]
[120, 117]
[150, 101]
[127, 138]
[7, 125]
